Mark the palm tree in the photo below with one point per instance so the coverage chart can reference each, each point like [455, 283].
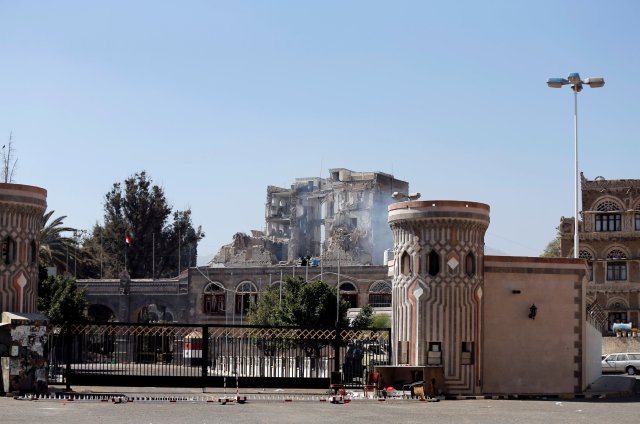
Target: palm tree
[55, 248]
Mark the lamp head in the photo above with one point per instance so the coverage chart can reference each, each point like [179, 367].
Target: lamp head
[577, 87]
[398, 196]
[557, 82]
[414, 196]
[595, 82]
[574, 78]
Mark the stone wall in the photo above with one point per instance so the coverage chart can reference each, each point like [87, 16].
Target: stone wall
[620, 344]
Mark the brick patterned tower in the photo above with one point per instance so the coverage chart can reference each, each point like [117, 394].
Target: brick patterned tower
[437, 288]
[21, 210]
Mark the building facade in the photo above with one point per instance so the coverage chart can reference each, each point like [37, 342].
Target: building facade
[488, 324]
[609, 241]
[207, 295]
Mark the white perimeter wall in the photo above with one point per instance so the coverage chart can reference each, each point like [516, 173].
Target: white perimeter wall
[592, 354]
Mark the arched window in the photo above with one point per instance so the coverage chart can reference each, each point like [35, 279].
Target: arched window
[585, 254]
[33, 252]
[380, 294]
[433, 265]
[608, 217]
[8, 251]
[470, 264]
[215, 300]
[607, 206]
[100, 313]
[405, 264]
[349, 292]
[616, 265]
[246, 295]
[616, 254]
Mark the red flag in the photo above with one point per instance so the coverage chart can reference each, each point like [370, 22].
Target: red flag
[127, 238]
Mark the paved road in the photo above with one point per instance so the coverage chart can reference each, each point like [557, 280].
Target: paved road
[600, 411]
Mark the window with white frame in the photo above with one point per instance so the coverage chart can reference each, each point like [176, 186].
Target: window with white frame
[608, 217]
[214, 299]
[616, 265]
[380, 294]
[246, 295]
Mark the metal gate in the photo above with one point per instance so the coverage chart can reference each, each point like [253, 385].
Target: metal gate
[174, 355]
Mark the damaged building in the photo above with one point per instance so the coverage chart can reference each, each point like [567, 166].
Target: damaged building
[341, 217]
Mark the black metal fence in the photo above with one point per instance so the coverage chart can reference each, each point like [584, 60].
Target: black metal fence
[174, 355]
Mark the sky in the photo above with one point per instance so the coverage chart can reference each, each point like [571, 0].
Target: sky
[216, 100]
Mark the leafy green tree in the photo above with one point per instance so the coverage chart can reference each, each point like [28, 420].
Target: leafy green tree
[380, 321]
[303, 304]
[310, 304]
[138, 209]
[55, 246]
[364, 317]
[61, 300]
[553, 248]
[267, 310]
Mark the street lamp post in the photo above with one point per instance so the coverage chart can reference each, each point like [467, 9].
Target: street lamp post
[576, 85]
[341, 237]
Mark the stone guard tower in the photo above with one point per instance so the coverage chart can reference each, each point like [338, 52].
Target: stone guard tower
[21, 209]
[438, 281]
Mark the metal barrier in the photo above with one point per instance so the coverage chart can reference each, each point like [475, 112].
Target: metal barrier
[174, 355]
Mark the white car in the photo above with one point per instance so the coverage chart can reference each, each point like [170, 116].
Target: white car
[621, 362]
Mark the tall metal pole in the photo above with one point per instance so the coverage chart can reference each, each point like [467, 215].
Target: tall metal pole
[576, 253]
[338, 291]
[75, 255]
[576, 85]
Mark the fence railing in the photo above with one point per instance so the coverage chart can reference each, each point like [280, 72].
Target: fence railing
[204, 355]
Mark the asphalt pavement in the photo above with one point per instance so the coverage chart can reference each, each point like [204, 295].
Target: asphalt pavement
[613, 400]
[607, 386]
[477, 411]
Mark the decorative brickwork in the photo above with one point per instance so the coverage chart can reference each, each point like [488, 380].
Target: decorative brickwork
[21, 210]
[609, 234]
[437, 304]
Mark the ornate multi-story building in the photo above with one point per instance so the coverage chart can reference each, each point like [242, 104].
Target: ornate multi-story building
[21, 209]
[609, 240]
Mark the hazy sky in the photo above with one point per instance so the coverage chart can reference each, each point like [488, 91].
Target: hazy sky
[218, 99]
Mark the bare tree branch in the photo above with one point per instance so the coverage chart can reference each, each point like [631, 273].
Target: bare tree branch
[9, 161]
